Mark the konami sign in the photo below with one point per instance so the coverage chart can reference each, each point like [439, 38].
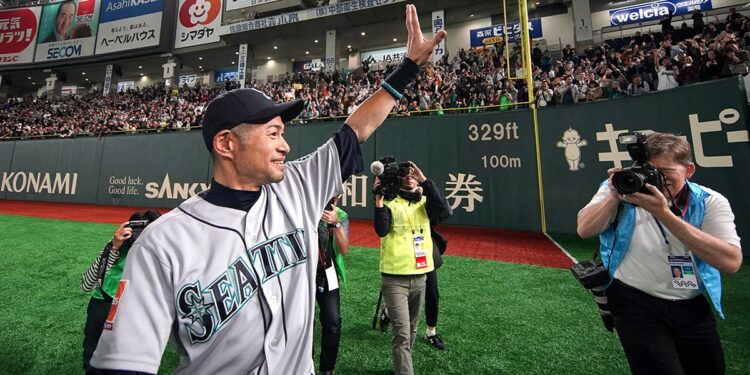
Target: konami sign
[39, 182]
[655, 10]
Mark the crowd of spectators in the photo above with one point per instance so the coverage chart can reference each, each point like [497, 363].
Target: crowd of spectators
[648, 62]
[150, 108]
[469, 81]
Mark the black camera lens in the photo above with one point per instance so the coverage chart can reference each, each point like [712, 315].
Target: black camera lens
[627, 182]
[403, 169]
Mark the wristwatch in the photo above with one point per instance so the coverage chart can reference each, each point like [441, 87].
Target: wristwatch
[337, 225]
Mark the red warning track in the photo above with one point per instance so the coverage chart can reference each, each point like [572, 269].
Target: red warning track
[486, 243]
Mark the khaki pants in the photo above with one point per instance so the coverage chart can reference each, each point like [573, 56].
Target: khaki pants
[404, 296]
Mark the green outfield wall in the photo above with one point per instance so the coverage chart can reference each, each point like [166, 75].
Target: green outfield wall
[485, 163]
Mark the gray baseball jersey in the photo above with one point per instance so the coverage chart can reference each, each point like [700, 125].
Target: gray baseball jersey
[234, 289]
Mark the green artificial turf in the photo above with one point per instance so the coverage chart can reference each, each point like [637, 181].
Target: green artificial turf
[734, 330]
[496, 318]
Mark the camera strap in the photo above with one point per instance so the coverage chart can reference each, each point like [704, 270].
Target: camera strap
[103, 260]
[102, 270]
[614, 225]
[661, 229]
[682, 196]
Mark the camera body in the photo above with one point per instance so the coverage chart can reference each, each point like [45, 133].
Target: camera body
[593, 276]
[590, 273]
[390, 176]
[137, 226]
[634, 178]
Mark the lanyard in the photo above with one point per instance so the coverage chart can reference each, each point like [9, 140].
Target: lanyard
[661, 229]
[684, 209]
[408, 219]
[682, 213]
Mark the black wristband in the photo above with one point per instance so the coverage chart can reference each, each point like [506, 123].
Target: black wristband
[403, 76]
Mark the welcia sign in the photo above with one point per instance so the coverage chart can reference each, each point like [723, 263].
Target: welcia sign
[655, 10]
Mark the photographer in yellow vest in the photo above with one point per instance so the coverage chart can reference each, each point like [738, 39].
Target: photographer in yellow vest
[402, 220]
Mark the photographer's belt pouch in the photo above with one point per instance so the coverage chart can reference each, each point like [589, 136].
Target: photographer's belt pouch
[419, 253]
[683, 272]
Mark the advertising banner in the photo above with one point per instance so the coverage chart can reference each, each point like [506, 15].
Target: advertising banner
[189, 79]
[107, 80]
[67, 30]
[198, 22]
[152, 178]
[239, 4]
[655, 10]
[494, 34]
[18, 30]
[55, 170]
[330, 63]
[242, 65]
[6, 156]
[579, 143]
[341, 7]
[314, 65]
[69, 90]
[438, 23]
[224, 75]
[483, 163]
[390, 55]
[129, 24]
[125, 85]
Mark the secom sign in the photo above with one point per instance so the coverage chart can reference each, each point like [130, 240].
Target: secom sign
[655, 10]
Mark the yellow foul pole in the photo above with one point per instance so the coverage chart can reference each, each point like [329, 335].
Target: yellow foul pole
[506, 39]
[526, 56]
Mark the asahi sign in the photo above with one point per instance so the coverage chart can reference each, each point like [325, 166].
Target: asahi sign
[39, 183]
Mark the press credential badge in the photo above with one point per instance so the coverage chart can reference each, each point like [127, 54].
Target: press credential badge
[419, 253]
[683, 272]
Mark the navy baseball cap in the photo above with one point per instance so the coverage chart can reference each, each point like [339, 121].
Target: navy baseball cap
[244, 106]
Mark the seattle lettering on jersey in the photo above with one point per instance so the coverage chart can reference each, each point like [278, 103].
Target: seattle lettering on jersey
[210, 308]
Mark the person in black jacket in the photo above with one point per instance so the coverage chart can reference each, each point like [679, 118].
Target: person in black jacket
[432, 294]
[404, 224]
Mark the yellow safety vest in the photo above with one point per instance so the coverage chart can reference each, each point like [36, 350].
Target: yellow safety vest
[397, 256]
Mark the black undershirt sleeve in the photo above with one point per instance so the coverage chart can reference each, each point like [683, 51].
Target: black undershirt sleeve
[382, 221]
[350, 154]
[438, 209]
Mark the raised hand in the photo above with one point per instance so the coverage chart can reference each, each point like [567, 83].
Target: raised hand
[122, 233]
[416, 173]
[418, 49]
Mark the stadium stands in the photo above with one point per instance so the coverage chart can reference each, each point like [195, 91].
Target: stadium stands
[466, 81]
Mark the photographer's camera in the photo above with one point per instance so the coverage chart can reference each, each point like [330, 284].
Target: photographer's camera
[390, 172]
[137, 226]
[634, 178]
[593, 276]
